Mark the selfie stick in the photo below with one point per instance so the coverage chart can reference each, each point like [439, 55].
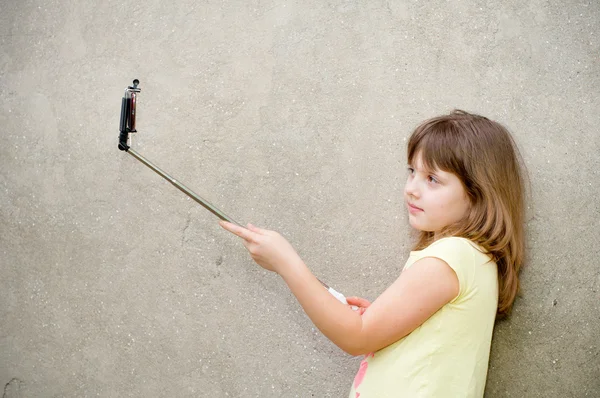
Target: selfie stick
[128, 113]
[127, 126]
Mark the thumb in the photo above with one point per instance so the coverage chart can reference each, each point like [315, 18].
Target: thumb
[358, 301]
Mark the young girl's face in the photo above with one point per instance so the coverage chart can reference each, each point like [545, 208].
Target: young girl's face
[434, 198]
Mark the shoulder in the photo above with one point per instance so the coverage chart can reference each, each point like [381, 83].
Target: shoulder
[457, 253]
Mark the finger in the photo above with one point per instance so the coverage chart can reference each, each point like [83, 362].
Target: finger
[254, 228]
[359, 301]
[239, 231]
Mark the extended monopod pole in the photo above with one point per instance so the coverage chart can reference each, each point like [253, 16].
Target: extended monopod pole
[127, 126]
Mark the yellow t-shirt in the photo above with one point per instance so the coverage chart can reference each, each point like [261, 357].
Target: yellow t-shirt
[448, 355]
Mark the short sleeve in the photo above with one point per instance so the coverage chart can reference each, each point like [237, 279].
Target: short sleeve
[458, 253]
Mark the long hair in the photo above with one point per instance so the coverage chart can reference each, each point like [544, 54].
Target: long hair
[484, 156]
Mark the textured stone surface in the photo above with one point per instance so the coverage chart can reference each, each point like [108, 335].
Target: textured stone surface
[293, 116]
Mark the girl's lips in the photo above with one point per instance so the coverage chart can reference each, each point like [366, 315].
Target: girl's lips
[414, 209]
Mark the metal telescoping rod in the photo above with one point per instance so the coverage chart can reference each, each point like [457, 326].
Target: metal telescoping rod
[183, 188]
[127, 125]
[210, 207]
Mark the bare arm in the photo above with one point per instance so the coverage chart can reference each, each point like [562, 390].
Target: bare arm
[417, 294]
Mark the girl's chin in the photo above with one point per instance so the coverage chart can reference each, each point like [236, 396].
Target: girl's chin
[415, 225]
[419, 226]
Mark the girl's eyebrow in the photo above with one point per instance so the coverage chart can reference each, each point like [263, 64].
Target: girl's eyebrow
[424, 169]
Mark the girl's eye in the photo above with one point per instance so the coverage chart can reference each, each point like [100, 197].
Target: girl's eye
[411, 170]
[432, 179]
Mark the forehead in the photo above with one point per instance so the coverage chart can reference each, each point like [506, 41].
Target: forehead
[418, 163]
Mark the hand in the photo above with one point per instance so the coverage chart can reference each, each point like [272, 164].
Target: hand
[267, 248]
[361, 303]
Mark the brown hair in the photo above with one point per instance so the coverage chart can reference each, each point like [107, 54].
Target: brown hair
[484, 156]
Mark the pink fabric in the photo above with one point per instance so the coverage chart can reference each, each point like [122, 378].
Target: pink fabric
[362, 370]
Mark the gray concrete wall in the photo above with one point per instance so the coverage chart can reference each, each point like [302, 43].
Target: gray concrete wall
[294, 116]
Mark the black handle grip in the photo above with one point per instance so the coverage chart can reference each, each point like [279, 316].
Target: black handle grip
[124, 113]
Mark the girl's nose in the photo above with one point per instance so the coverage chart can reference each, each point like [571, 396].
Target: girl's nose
[411, 187]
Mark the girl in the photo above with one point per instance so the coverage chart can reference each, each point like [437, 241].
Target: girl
[429, 333]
